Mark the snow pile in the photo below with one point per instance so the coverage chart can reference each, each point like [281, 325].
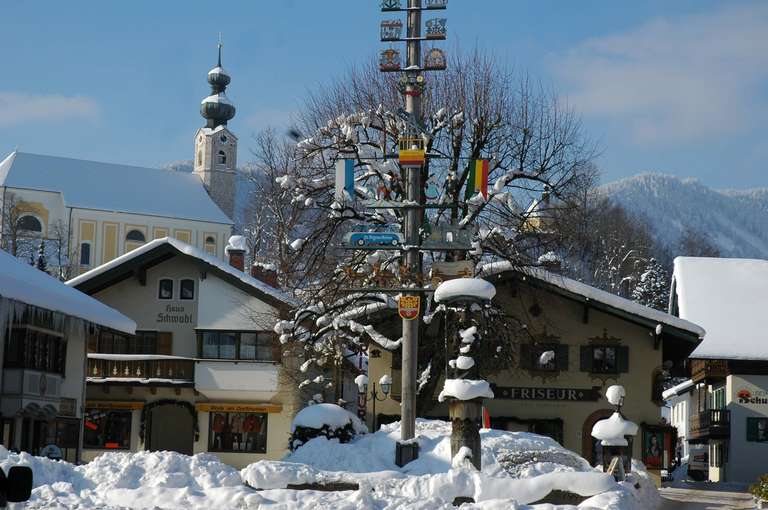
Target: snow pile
[433, 481]
[465, 389]
[334, 417]
[236, 243]
[615, 394]
[165, 480]
[473, 288]
[611, 431]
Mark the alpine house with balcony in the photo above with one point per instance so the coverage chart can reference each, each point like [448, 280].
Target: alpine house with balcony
[726, 402]
[204, 371]
[44, 326]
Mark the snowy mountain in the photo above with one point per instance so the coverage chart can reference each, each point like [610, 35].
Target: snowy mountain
[734, 221]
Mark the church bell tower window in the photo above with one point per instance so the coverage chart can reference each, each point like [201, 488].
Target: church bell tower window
[222, 158]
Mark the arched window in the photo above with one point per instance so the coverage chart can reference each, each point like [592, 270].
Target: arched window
[199, 158]
[29, 223]
[165, 288]
[187, 289]
[222, 158]
[210, 245]
[136, 236]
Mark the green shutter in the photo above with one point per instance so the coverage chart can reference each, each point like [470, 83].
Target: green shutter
[586, 358]
[752, 429]
[561, 357]
[622, 358]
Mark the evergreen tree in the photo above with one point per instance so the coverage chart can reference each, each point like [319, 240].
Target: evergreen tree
[652, 289]
[41, 263]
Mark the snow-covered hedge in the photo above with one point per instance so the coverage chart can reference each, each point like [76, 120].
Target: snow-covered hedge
[324, 420]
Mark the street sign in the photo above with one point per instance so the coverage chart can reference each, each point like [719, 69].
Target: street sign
[408, 307]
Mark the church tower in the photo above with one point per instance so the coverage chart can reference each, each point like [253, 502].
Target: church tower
[215, 145]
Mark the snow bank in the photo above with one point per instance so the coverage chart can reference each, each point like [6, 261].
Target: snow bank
[476, 288]
[465, 389]
[430, 481]
[335, 417]
[165, 480]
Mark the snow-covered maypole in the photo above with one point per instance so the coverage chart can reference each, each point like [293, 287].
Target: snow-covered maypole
[465, 391]
[612, 434]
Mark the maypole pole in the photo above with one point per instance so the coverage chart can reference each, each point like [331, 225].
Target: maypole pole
[412, 158]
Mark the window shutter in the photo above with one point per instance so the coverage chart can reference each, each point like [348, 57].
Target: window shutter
[165, 342]
[525, 356]
[751, 429]
[561, 357]
[586, 358]
[622, 358]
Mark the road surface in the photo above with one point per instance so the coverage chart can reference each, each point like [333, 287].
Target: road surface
[705, 497]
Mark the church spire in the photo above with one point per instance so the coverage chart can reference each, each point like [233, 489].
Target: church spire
[216, 108]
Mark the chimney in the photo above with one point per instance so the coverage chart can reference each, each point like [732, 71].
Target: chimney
[236, 250]
[266, 273]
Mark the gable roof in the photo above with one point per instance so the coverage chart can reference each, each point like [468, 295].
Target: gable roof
[112, 187]
[160, 250]
[728, 297]
[26, 284]
[599, 299]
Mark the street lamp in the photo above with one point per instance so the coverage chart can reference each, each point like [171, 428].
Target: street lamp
[385, 384]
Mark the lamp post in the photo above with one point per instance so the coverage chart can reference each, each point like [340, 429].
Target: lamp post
[385, 383]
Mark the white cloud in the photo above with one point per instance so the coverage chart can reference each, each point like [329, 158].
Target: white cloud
[20, 108]
[685, 79]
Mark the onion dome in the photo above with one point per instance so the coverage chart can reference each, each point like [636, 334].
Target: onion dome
[217, 109]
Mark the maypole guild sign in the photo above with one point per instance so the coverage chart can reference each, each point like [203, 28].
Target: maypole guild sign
[408, 307]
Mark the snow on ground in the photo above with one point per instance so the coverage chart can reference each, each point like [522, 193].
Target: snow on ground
[517, 468]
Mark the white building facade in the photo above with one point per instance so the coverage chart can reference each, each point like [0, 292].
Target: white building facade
[727, 408]
[44, 327]
[205, 371]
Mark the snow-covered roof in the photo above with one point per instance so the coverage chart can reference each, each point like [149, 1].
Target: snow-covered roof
[218, 70]
[677, 390]
[112, 187]
[26, 284]
[728, 297]
[217, 98]
[593, 294]
[191, 251]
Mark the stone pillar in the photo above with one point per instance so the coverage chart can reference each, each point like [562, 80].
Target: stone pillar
[466, 420]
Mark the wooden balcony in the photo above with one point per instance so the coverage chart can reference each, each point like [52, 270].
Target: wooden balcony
[140, 370]
[712, 423]
[708, 371]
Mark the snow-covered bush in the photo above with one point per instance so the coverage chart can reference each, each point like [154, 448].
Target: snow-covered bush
[324, 420]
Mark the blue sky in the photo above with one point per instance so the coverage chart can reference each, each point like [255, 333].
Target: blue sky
[677, 87]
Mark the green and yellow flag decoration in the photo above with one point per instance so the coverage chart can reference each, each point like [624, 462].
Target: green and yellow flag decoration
[477, 181]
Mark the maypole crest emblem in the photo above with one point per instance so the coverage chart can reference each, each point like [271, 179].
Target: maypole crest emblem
[434, 60]
[391, 5]
[389, 60]
[408, 307]
[436, 28]
[391, 29]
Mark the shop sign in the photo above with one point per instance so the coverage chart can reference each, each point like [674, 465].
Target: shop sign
[408, 307]
[238, 408]
[96, 404]
[746, 396]
[552, 394]
[174, 314]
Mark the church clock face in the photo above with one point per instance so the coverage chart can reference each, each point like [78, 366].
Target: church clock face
[223, 139]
